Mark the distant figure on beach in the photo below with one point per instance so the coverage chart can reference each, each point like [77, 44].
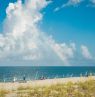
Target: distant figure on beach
[87, 74]
[81, 75]
[24, 78]
[42, 78]
[14, 79]
[4, 80]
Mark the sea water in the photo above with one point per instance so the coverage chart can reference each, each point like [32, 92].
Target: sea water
[36, 72]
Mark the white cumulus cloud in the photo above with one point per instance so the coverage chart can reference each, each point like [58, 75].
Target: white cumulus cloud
[21, 34]
[85, 52]
[23, 40]
[64, 51]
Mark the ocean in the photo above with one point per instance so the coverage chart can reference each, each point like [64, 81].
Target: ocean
[34, 73]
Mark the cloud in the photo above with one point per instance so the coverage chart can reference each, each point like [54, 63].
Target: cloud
[57, 9]
[85, 52]
[72, 3]
[75, 3]
[91, 3]
[64, 51]
[21, 34]
[22, 40]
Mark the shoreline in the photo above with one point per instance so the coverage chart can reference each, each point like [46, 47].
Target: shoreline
[46, 82]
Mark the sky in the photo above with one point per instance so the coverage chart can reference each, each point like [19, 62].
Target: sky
[47, 32]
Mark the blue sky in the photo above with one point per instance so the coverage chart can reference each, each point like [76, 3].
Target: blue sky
[67, 21]
[71, 23]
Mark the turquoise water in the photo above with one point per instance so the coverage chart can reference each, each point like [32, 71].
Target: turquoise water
[32, 73]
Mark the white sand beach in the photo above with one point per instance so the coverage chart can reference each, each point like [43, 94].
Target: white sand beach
[46, 82]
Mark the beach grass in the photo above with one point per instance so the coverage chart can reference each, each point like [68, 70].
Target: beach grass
[70, 89]
[80, 89]
[3, 92]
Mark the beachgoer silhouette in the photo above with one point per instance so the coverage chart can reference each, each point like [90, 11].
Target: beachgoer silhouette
[24, 77]
[14, 79]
